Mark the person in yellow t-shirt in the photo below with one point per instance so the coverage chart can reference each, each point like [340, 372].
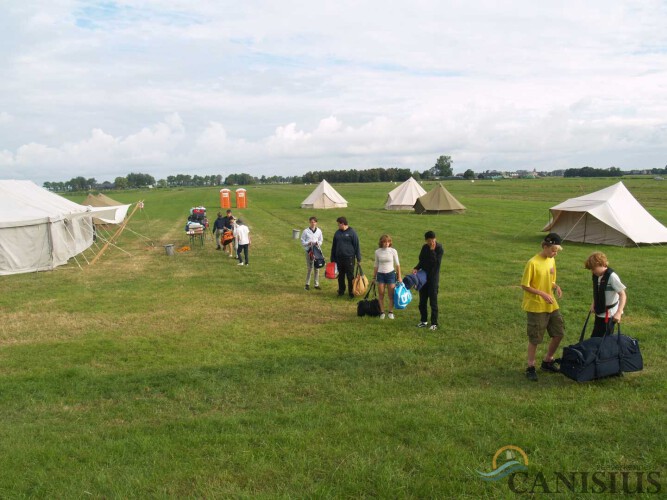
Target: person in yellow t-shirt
[539, 301]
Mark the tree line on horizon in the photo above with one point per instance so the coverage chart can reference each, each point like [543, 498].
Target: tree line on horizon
[442, 169]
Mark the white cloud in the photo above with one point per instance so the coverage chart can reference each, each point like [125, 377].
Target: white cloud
[175, 86]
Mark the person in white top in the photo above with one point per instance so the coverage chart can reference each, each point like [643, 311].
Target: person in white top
[609, 297]
[242, 235]
[386, 272]
[311, 237]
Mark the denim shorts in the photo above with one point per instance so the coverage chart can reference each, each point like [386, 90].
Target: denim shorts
[386, 278]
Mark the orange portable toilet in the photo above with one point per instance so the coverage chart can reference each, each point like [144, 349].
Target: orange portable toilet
[225, 198]
[241, 198]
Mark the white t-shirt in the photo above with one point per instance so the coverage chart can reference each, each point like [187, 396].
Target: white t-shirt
[242, 234]
[614, 286]
[386, 259]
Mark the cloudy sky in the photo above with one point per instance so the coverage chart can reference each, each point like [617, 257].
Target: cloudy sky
[102, 89]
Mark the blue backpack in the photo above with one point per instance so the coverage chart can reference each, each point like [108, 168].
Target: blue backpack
[402, 296]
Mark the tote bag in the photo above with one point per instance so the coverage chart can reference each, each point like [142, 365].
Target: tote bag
[360, 281]
[402, 296]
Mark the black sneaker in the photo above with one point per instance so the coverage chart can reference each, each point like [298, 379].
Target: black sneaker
[531, 374]
[422, 324]
[307, 287]
[340, 294]
[317, 287]
[549, 366]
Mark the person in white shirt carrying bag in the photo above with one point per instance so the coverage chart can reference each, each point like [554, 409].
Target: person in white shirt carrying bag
[386, 272]
[311, 237]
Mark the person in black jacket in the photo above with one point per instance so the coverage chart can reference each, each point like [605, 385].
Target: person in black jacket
[218, 228]
[430, 258]
[344, 249]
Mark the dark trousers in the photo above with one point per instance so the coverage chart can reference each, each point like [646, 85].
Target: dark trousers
[345, 270]
[244, 249]
[600, 327]
[429, 293]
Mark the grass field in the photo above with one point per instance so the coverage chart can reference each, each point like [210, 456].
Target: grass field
[187, 376]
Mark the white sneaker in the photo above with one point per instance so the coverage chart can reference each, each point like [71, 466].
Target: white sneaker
[391, 315]
[240, 264]
[382, 316]
[433, 327]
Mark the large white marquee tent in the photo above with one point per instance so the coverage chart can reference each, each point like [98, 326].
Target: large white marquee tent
[40, 230]
[611, 216]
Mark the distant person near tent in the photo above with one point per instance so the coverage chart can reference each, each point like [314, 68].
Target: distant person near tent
[430, 258]
[609, 297]
[311, 237]
[542, 311]
[344, 250]
[386, 272]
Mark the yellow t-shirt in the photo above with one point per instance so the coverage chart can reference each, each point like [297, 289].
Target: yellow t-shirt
[539, 273]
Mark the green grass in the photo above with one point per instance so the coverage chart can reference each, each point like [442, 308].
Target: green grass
[156, 376]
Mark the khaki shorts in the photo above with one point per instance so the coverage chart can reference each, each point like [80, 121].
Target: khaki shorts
[539, 322]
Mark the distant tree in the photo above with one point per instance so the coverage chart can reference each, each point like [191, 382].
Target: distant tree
[417, 176]
[240, 179]
[469, 174]
[442, 167]
[121, 183]
[140, 180]
[162, 183]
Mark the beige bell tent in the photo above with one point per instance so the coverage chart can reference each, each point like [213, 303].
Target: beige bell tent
[611, 216]
[324, 196]
[404, 196]
[438, 201]
[40, 230]
[101, 200]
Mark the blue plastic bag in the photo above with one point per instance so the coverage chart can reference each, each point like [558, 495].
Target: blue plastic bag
[402, 296]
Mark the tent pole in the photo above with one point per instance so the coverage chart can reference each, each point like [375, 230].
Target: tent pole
[116, 234]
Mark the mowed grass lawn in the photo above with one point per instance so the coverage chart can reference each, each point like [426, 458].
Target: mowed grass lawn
[153, 376]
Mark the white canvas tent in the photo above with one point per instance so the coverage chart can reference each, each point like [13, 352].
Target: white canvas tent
[404, 196]
[40, 230]
[611, 216]
[324, 196]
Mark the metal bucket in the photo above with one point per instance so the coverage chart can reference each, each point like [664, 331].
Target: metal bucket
[295, 234]
[169, 249]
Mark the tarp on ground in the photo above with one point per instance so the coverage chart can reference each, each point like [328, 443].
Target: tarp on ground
[610, 216]
[324, 196]
[404, 196]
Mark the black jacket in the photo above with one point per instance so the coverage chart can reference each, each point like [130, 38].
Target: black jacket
[429, 261]
[345, 245]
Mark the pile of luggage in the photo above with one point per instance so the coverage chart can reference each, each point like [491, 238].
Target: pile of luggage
[197, 219]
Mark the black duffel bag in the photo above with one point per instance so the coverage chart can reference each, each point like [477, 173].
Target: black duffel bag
[367, 306]
[600, 357]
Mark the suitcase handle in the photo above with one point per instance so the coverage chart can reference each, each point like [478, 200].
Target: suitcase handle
[606, 334]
